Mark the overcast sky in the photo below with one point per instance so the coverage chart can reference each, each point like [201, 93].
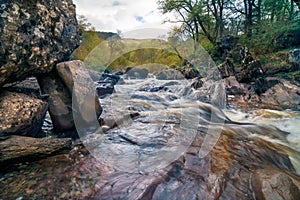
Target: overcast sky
[124, 15]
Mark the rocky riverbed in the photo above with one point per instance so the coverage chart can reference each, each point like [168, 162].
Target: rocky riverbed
[152, 144]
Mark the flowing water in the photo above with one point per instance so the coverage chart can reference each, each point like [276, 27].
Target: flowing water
[160, 141]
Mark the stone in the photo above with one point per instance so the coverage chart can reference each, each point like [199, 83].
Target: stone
[138, 73]
[283, 95]
[261, 85]
[226, 69]
[17, 149]
[86, 105]
[190, 73]
[29, 87]
[271, 183]
[21, 114]
[251, 69]
[35, 35]
[197, 83]
[59, 100]
[169, 74]
[294, 58]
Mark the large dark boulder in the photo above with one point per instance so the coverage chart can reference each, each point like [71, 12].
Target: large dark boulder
[35, 35]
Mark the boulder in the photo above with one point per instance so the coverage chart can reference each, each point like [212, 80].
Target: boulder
[16, 149]
[29, 86]
[272, 183]
[20, 114]
[251, 69]
[83, 89]
[169, 74]
[294, 58]
[35, 35]
[261, 85]
[190, 73]
[59, 100]
[138, 73]
[106, 84]
[226, 69]
[283, 95]
[197, 83]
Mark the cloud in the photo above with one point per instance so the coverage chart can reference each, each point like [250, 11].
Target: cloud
[116, 3]
[140, 19]
[124, 15]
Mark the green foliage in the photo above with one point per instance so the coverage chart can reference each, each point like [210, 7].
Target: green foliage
[90, 40]
[146, 56]
[272, 37]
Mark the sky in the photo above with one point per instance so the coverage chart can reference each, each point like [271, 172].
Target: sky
[124, 15]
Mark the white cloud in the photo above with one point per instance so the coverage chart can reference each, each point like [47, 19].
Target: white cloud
[124, 15]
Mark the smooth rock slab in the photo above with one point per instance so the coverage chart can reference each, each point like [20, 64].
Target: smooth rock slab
[15, 149]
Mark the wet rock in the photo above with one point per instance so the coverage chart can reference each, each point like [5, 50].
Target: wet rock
[16, 149]
[137, 73]
[35, 36]
[171, 150]
[226, 69]
[266, 93]
[197, 83]
[86, 105]
[294, 58]
[106, 84]
[20, 114]
[169, 74]
[274, 184]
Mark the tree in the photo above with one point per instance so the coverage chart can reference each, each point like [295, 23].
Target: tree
[83, 23]
[198, 17]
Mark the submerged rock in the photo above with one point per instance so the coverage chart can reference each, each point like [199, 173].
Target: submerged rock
[35, 35]
[20, 114]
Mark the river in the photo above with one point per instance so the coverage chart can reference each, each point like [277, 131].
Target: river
[159, 140]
